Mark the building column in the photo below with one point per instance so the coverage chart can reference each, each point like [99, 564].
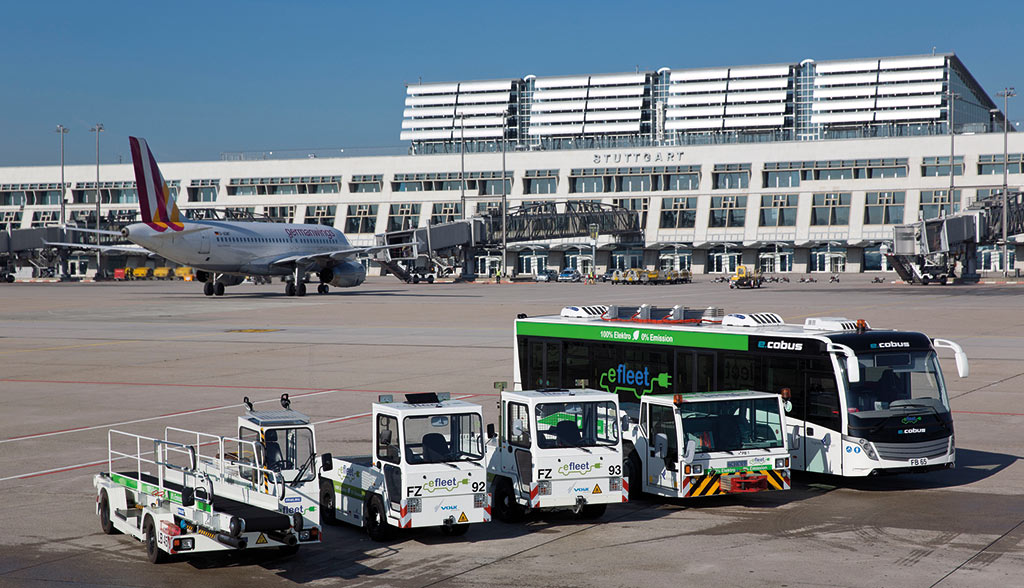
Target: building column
[699, 261]
[801, 260]
[854, 260]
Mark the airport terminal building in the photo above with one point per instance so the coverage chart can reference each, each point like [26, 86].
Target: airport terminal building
[798, 167]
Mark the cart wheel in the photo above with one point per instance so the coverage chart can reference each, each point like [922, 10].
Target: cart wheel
[105, 523]
[153, 551]
[430, 279]
[636, 481]
[925, 280]
[377, 526]
[943, 280]
[327, 502]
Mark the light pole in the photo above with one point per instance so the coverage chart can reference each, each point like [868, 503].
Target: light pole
[504, 197]
[952, 118]
[1006, 94]
[99, 259]
[63, 221]
[594, 230]
[462, 155]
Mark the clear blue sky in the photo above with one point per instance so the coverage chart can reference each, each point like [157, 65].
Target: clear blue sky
[198, 78]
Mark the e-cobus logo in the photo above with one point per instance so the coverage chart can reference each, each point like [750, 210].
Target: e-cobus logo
[890, 345]
[909, 431]
[780, 345]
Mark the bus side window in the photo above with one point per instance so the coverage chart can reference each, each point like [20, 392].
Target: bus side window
[683, 379]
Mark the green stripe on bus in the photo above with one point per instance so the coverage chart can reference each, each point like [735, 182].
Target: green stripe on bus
[645, 336]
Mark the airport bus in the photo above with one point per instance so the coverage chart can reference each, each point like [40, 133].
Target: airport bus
[859, 401]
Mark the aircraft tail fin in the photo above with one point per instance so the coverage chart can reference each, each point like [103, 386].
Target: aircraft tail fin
[159, 210]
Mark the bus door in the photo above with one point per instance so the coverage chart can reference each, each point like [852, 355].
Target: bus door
[545, 365]
[821, 443]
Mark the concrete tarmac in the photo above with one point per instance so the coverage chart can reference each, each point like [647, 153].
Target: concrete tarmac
[79, 359]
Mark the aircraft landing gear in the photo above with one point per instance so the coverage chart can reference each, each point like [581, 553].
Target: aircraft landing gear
[218, 289]
[300, 290]
[208, 288]
[323, 289]
[289, 289]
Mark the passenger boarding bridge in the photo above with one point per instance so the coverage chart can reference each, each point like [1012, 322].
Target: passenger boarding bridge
[925, 250]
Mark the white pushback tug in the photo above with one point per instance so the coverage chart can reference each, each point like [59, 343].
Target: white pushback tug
[556, 449]
[193, 492]
[426, 470]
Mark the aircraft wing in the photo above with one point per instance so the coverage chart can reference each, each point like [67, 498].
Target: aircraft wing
[102, 248]
[94, 231]
[333, 255]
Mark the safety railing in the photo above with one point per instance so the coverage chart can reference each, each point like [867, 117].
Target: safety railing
[235, 461]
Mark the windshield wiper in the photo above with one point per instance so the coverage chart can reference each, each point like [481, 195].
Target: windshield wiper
[298, 475]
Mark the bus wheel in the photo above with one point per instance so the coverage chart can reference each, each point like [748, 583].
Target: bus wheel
[105, 523]
[505, 506]
[327, 502]
[153, 551]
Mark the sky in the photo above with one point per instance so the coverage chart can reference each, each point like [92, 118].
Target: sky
[200, 78]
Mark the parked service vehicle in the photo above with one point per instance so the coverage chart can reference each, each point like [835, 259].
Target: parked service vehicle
[546, 276]
[570, 274]
[183, 272]
[163, 273]
[706, 444]
[193, 492]
[426, 470]
[142, 273]
[556, 449]
[746, 277]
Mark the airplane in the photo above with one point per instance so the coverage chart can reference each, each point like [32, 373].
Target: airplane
[225, 252]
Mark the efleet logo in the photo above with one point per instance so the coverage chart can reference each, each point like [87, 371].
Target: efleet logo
[582, 469]
[446, 484]
[639, 382]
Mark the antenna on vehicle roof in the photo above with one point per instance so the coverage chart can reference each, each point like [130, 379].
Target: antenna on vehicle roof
[285, 402]
[247, 403]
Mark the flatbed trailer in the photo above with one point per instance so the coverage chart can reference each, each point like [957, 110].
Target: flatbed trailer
[193, 492]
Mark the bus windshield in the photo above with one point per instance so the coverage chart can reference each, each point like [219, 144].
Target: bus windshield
[289, 449]
[891, 381]
[732, 425]
[443, 438]
[576, 424]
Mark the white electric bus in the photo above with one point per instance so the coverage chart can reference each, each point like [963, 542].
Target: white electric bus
[859, 401]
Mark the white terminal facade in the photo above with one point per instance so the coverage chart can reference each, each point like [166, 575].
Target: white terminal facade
[801, 167]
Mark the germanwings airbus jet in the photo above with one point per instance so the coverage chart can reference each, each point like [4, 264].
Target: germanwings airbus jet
[225, 252]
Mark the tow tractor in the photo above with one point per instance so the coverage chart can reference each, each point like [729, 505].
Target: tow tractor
[193, 492]
[706, 444]
[426, 470]
[746, 277]
[556, 449]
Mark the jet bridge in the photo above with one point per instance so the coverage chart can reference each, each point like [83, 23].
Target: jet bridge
[424, 246]
[929, 250]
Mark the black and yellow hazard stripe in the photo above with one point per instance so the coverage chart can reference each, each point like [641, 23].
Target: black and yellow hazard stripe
[706, 485]
[777, 480]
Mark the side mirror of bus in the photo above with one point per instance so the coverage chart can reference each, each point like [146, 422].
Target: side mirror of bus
[326, 462]
[490, 431]
[691, 450]
[963, 369]
[852, 369]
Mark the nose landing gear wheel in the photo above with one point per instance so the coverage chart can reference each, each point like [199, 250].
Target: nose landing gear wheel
[323, 289]
[289, 289]
[208, 288]
[218, 290]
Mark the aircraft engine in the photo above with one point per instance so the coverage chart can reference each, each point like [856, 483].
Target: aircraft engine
[202, 276]
[343, 275]
[227, 280]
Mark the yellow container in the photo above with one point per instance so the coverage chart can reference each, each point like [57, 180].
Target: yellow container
[162, 273]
